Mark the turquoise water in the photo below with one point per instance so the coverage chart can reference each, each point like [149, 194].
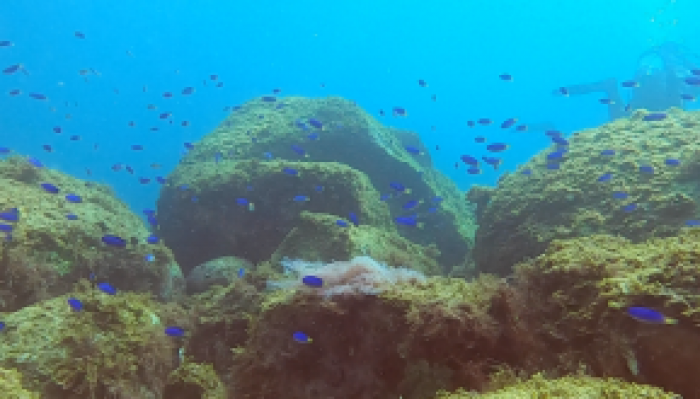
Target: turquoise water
[372, 52]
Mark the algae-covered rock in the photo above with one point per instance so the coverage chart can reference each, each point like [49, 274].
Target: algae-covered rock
[318, 238]
[409, 340]
[11, 385]
[47, 252]
[194, 380]
[115, 346]
[219, 271]
[527, 211]
[344, 165]
[578, 293]
[579, 387]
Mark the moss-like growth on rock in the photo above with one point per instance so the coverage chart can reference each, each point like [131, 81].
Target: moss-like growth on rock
[194, 381]
[527, 211]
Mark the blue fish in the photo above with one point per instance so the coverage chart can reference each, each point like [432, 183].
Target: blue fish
[527, 172]
[619, 195]
[407, 220]
[136, 147]
[315, 123]
[107, 288]
[291, 171]
[411, 204]
[241, 201]
[607, 152]
[37, 96]
[268, 99]
[605, 178]
[470, 160]
[474, 171]
[6, 43]
[484, 121]
[413, 150]
[79, 35]
[480, 139]
[313, 136]
[149, 258]
[354, 219]
[692, 81]
[300, 151]
[161, 179]
[493, 161]
[342, 223]
[312, 281]
[385, 197]
[553, 133]
[189, 146]
[12, 69]
[301, 337]
[692, 223]
[646, 169]
[72, 216]
[506, 76]
[241, 272]
[153, 239]
[2, 325]
[508, 123]
[629, 207]
[75, 304]
[114, 241]
[174, 331]
[560, 140]
[553, 166]
[5, 150]
[654, 116]
[74, 198]
[301, 198]
[687, 97]
[672, 162]
[15, 92]
[647, 315]
[629, 84]
[552, 156]
[50, 188]
[497, 147]
[149, 212]
[35, 162]
[6, 228]
[11, 215]
[318, 188]
[187, 91]
[397, 186]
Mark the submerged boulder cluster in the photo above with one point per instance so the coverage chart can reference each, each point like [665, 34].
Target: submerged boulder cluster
[311, 285]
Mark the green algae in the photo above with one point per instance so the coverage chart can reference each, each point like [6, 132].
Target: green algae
[527, 212]
[194, 380]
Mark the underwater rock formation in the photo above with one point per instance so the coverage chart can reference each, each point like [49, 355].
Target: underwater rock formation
[115, 346]
[220, 271]
[317, 238]
[55, 241]
[578, 293]
[632, 178]
[345, 161]
[567, 387]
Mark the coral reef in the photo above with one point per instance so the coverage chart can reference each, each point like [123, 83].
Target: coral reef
[11, 386]
[48, 252]
[579, 387]
[343, 167]
[527, 211]
[193, 380]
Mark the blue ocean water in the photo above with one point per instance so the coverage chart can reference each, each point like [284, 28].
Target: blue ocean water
[372, 52]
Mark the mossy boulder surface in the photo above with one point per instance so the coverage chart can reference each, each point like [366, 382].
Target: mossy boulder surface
[238, 158]
[527, 211]
[47, 252]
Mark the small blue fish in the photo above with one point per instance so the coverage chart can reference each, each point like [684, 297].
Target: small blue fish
[174, 331]
[654, 116]
[470, 160]
[149, 212]
[508, 123]
[315, 123]
[413, 150]
[74, 198]
[687, 97]
[79, 35]
[241, 272]
[506, 76]
[12, 69]
[354, 219]
[187, 91]
[672, 162]
[493, 161]
[268, 99]
[241, 201]
[619, 195]
[153, 239]
[313, 136]
[692, 223]
[15, 92]
[318, 188]
[301, 338]
[629, 84]
[527, 172]
[149, 258]
[72, 216]
[397, 186]
[399, 111]
[607, 152]
[291, 171]
[692, 81]
[5, 150]
[37, 96]
[646, 169]
[480, 139]
[497, 147]
[407, 220]
[554, 156]
[553, 166]
[553, 133]
[189, 146]
[647, 315]
[6, 43]
[137, 147]
[312, 281]
[144, 180]
[107, 288]
[411, 204]
[474, 171]
[10, 216]
[385, 197]
[629, 207]
[484, 121]
[2, 325]
[605, 178]
[50, 188]
[342, 223]
[114, 241]
[167, 94]
[6, 228]
[35, 162]
[75, 304]
[560, 140]
[152, 220]
[300, 151]
[301, 198]
[161, 179]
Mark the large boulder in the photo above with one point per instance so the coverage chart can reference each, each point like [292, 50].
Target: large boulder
[536, 205]
[334, 145]
[47, 250]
